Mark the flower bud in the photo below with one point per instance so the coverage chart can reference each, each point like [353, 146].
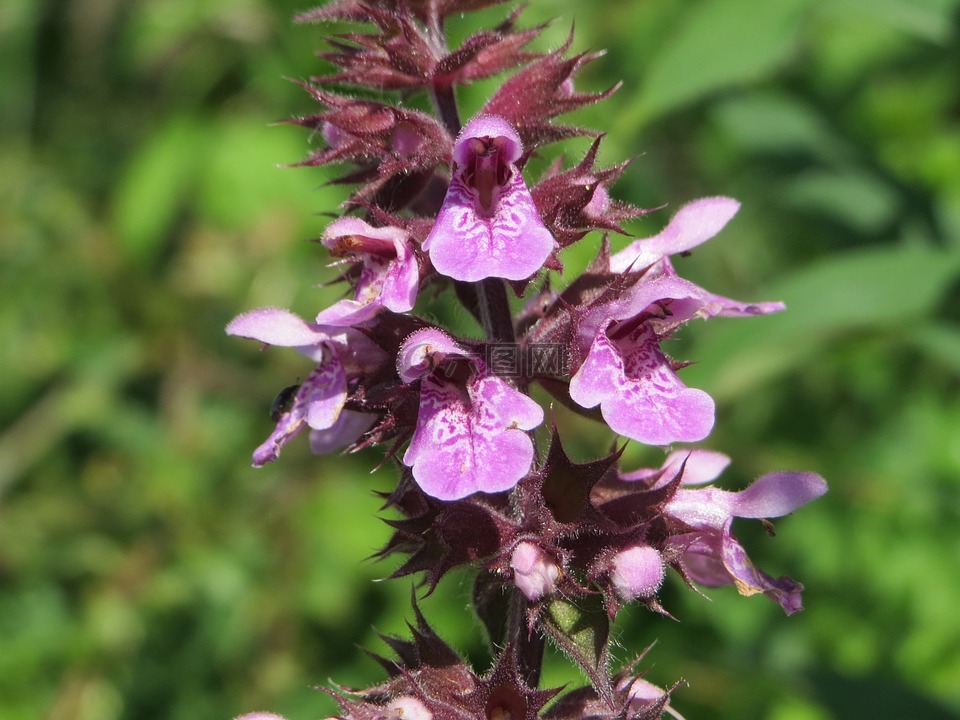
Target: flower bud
[637, 572]
[534, 572]
[407, 707]
[644, 695]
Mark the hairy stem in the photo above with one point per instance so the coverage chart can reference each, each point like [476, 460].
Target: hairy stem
[445, 103]
[495, 310]
[529, 644]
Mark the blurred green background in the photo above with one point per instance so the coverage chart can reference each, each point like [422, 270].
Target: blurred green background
[146, 571]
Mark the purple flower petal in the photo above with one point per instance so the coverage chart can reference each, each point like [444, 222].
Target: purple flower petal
[694, 223]
[719, 306]
[323, 393]
[487, 126]
[701, 558]
[317, 403]
[389, 276]
[358, 353]
[276, 326]
[347, 429]
[424, 350]
[699, 467]
[535, 573]
[288, 427]
[773, 495]
[639, 395]
[750, 580]
[666, 294]
[488, 225]
[349, 313]
[716, 559]
[471, 441]
[777, 494]
[682, 297]
[509, 242]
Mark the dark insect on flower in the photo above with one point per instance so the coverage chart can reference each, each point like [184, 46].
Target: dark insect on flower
[283, 401]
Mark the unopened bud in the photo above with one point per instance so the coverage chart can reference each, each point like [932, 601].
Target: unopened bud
[534, 572]
[643, 695]
[637, 572]
[407, 707]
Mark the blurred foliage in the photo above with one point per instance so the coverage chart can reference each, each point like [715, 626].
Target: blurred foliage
[146, 571]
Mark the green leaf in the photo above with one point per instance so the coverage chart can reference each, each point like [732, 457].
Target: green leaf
[581, 629]
[764, 122]
[244, 183]
[855, 197]
[940, 342]
[154, 188]
[888, 288]
[929, 20]
[719, 44]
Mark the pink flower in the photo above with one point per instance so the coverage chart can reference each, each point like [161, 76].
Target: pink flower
[488, 225]
[628, 376]
[389, 275]
[712, 556]
[471, 432]
[694, 223]
[637, 572]
[534, 572]
[318, 403]
[644, 696]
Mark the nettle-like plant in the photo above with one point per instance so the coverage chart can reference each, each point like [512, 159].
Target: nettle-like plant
[558, 547]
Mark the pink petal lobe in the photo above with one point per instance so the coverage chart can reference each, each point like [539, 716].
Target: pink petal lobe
[694, 223]
[323, 392]
[699, 467]
[777, 494]
[424, 350]
[750, 580]
[276, 326]
[489, 126]
[471, 441]
[639, 395]
[347, 429]
[468, 244]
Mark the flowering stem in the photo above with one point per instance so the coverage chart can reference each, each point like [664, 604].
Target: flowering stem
[445, 103]
[530, 644]
[495, 310]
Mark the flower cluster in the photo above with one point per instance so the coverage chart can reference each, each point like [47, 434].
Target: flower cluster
[555, 544]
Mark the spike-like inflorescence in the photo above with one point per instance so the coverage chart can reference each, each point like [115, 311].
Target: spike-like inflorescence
[558, 547]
